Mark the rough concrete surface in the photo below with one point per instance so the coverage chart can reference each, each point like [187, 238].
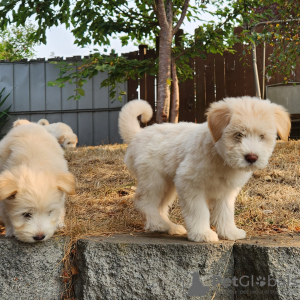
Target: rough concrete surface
[163, 267]
[151, 267]
[154, 266]
[270, 266]
[31, 271]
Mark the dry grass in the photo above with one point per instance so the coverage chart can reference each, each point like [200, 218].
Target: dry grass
[103, 205]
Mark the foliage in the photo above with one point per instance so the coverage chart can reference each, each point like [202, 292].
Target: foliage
[119, 68]
[97, 22]
[277, 24]
[16, 42]
[3, 113]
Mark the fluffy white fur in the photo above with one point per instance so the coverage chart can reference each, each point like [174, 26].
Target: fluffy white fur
[63, 133]
[20, 122]
[34, 179]
[207, 164]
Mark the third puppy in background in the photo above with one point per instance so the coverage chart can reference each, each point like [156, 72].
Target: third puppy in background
[63, 133]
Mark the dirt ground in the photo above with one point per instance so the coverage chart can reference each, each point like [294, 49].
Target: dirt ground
[268, 204]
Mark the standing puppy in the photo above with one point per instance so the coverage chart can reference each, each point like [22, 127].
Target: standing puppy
[207, 164]
[34, 180]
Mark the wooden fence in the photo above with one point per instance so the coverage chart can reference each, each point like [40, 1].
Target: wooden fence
[214, 78]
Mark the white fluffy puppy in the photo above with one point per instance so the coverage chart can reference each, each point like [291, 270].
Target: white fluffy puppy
[207, 163]
[20, 122]
[63, 133]
[34, 179]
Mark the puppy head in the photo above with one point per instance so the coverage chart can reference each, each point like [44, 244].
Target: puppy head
[34, 201]
[20, 122]
[245, 130]
[68, 140]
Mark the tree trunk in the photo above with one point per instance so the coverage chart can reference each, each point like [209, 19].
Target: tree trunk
[164, 65]
[175, 94]
[164, 11]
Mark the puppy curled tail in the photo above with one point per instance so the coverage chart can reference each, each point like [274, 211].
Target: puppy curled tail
[43, 122]
[128, 123]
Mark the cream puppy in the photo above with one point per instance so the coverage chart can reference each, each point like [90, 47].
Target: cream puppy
[207, 164]
[34, 180]
[20, 122]
[63, 133]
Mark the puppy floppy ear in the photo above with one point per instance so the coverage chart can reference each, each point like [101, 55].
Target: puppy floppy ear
[282, 121]
[66, 183]
[8, 185]
[218, 117]
[61, 139]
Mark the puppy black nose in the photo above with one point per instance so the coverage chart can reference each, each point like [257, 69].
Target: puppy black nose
[251, 158]
[39, 237]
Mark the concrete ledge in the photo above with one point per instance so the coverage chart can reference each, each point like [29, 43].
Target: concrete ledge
[149, 266]
[273, 266]
[31, 271]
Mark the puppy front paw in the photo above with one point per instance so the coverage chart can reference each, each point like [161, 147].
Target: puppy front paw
[232, 234]
[176, 229]
[60, 225]
[206, 236]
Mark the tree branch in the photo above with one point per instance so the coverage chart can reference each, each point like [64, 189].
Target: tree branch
[183, 14]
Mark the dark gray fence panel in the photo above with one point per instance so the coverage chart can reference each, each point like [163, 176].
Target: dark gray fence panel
[53, 93]
[21, 87]
[93, 118]
[101, 128]
[71, 120]
[37, 86]
[85, 128]
[7, 81]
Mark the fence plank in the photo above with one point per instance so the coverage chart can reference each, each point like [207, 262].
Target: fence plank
[220, 76]
[85, 128]
[7, 82]
[71, 120]
[200, 89]
[114, 136]
[249, 75]
[37, 86]
[100, 95]
[230, 75]
[187, 99]
[53, 93]
[210, 79]
[21, 84]
[132, 83]
[101, 127]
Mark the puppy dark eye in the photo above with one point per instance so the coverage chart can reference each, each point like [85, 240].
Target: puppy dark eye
[238, 135]
[11, 197]
[50, 212]
[27, 215]
[262, 136]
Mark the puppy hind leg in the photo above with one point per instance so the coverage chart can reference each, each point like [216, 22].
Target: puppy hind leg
[148, 199]
[164, 211]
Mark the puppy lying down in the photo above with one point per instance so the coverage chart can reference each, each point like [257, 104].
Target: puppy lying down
[63, 133]
[206, 164]
[34, 180]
